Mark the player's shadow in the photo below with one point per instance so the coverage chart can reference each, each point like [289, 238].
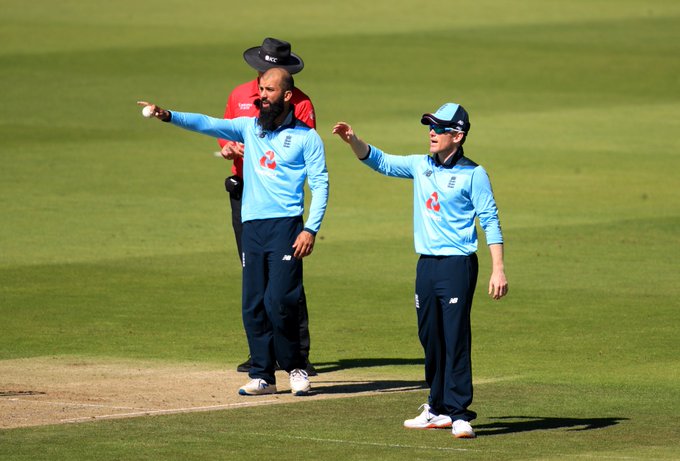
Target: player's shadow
[511, 424]
[357, 387]
[345, 364]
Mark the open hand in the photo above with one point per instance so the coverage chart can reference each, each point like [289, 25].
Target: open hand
[344, 132]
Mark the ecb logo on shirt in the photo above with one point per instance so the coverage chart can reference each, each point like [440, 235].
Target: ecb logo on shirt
[267, 160]
[433, 202]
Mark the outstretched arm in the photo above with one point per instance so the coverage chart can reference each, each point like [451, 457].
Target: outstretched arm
[397, 166]
[346, 133]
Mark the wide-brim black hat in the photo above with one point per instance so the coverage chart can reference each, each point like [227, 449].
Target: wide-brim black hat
[273, 53]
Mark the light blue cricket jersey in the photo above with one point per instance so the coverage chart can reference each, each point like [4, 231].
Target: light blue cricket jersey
[446, 200]
[275, 165]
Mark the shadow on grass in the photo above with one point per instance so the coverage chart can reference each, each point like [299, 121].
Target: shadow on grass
[361, 386]
[356, 387]
[345, 364]
[512, 424]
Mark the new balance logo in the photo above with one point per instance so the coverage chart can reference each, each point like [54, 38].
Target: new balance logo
[287, 258]
[453, 301]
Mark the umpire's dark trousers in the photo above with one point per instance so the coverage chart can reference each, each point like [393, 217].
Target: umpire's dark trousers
[272, 285]
[445, 286]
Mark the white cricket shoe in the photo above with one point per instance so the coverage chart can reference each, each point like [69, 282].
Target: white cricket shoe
[299, 382]
[462, 430]
[428, 420]
[257, 387]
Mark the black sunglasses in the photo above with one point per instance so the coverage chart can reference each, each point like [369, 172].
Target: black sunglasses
[442, 129]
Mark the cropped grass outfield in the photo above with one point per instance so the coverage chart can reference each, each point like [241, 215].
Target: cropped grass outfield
[115, 244]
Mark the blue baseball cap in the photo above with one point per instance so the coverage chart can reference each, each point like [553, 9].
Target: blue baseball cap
[450, 115]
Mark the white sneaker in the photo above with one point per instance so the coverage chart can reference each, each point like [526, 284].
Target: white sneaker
[462, 430]
[257, 387]
[428, 420]
[299, 382]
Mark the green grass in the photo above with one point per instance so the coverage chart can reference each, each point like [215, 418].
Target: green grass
[114, 239]
[520, 421]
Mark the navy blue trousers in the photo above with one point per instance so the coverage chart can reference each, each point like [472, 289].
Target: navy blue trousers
[305, 339]
[272, 287]
[445, 286]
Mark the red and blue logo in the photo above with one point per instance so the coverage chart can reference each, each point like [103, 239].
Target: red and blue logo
[267, 160]
[433, 202]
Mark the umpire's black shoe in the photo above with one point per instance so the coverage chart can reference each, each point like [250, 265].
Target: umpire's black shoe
[244, 367]
[311, 371]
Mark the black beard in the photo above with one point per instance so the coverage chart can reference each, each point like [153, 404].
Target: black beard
[268, 115]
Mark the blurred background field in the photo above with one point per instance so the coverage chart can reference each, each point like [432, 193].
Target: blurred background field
[114, 237]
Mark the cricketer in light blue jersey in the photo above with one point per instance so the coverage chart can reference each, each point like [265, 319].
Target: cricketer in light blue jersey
[449, 192]
[280, 153]
[446, 200]
[274, 163]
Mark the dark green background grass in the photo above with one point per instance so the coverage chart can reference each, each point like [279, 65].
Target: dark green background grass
[114, 241]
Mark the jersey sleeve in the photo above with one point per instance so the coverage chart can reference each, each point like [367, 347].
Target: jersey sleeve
[216, 127]
[398, 166]
[483, 200]
[317, 178]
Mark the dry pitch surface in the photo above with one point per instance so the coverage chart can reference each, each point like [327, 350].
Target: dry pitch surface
[40, 391]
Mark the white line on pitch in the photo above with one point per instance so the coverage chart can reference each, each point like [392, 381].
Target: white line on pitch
[72, 404]
[372, 444]
[497, 379]
[419, 447]
[168, 411]
[586, 455]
